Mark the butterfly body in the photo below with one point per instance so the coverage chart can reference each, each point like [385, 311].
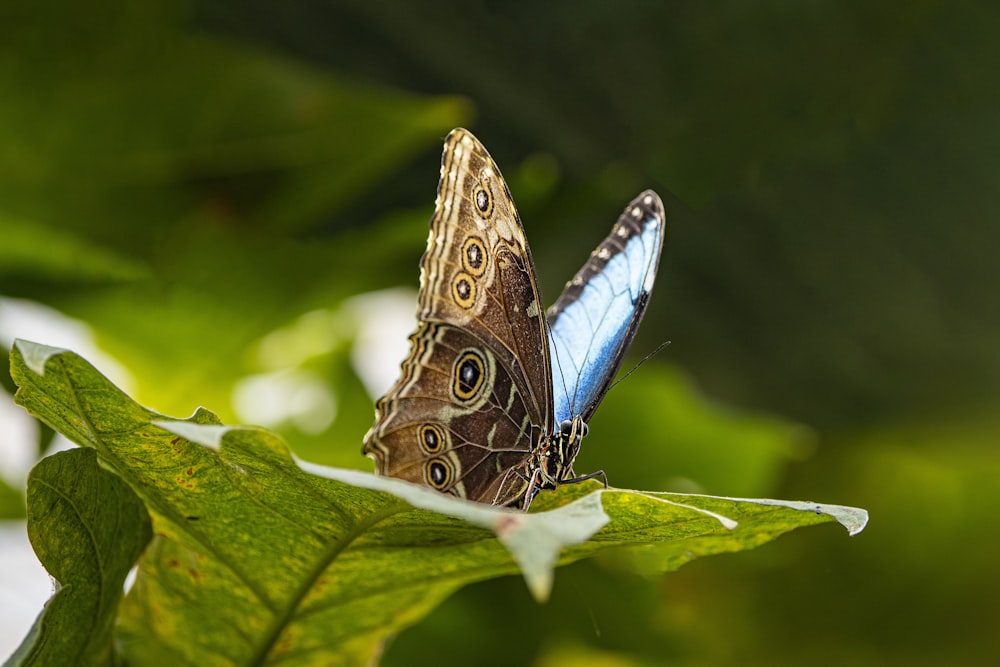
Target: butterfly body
[493, 398]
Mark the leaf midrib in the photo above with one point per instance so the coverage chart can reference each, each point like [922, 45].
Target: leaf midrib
[270, 635]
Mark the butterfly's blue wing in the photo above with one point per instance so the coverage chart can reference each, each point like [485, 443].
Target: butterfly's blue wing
[593, 322]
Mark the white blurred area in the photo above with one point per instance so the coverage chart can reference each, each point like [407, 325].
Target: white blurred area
[24, 583]
[282, 392]
[384, 322]
[376, 325]
[298, 397]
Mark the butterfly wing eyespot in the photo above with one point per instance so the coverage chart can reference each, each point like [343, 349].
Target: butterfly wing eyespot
[463, 290]
[469, 376]
[483, 199]
[474, 256]
[438, 473]
[432, 438]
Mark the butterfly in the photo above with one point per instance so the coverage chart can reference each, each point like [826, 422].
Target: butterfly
[494, 397]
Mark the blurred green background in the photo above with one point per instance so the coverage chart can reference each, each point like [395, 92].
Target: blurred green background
[207, 185]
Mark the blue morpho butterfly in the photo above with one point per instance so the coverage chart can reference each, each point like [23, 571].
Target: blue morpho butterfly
[494, 398]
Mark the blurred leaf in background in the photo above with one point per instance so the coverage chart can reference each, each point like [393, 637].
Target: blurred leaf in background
[175, 191]
[207, 185]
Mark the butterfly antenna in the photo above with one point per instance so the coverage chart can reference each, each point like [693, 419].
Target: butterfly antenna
[640, 363]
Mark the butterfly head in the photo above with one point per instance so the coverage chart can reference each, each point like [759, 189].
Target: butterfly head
[573, 431]
[555, 456]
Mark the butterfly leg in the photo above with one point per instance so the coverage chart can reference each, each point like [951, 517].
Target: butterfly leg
[538, 478]
[534, 486]
[511, 490]
[583, 478]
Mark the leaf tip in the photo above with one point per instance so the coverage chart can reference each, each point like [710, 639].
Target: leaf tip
[857, 522]
[35, 355]
[854, 519]
[539, 585]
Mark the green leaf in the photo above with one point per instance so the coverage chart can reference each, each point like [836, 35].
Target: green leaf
[260, 558]
[87, 528]
[36, 251]
[232, 200]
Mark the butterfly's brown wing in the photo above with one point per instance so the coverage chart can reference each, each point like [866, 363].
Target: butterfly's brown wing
[474, 395]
